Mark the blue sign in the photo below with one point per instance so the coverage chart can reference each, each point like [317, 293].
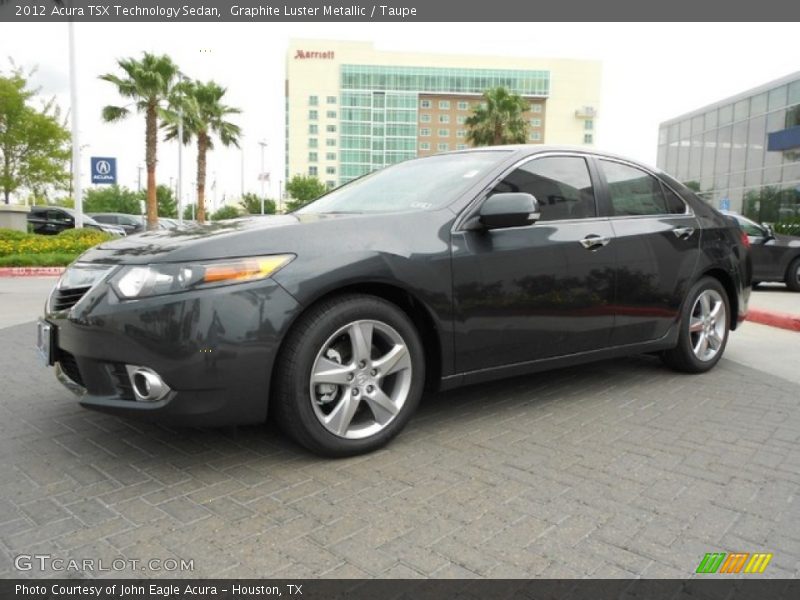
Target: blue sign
[725, 203]
[104, 170]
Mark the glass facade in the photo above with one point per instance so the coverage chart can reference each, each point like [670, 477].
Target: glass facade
[378, 107]
[722, 152]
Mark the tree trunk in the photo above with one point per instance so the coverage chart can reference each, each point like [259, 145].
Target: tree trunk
[202, 148]
[151, 141]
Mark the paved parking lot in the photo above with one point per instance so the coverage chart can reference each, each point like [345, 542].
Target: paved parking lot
[616, 469]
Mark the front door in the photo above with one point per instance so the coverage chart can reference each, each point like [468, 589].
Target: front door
[545, 290]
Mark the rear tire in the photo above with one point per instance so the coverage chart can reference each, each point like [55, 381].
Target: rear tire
[349, 376]
[704, 327]
[793, 275]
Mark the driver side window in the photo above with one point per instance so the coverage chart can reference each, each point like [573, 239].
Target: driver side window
[561, 184]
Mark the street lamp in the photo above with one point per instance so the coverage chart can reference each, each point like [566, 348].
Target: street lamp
[76, 143]
[178, 186]
[262, 175]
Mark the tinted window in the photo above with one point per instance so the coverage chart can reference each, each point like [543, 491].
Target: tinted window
[633, 192]
[561, 184]
[104, 219]
[57, 215]
[749, 227]
[675, 206]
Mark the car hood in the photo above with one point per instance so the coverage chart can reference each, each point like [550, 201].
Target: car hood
[306, 233]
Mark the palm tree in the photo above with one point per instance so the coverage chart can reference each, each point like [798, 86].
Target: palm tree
[204, 115]
[148, 82]
[499, 120]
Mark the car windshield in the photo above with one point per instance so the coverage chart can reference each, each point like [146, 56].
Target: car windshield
[419, 184]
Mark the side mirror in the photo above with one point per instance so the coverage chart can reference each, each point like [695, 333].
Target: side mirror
[769, 231]
[513, 209]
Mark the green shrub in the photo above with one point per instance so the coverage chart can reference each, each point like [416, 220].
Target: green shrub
[788, 227]
[12, 234]
[225, 212]
[69, 242]
[37, 260]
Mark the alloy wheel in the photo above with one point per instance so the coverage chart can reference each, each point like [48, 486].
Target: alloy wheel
[707, 325]
[360, 379]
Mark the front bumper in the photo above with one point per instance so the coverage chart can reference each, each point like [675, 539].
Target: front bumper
[215, 349]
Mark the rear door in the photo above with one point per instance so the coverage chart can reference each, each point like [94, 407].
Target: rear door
[657, 239]
[545, 290]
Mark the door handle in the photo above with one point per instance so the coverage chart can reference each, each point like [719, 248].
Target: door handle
[683, 232]
[592, 242]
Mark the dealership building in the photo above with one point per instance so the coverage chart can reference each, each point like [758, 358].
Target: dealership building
[351, 109]
[743, 152]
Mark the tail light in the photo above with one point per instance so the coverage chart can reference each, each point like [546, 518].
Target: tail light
[745, 239]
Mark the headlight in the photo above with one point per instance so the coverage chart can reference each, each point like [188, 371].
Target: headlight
[82, 275]
[154, 280]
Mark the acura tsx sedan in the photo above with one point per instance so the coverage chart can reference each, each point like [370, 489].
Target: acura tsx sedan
[429, 274]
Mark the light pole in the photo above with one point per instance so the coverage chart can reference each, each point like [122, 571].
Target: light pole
[178, 187]
[261, 176]
[76, 143]
[139, 179]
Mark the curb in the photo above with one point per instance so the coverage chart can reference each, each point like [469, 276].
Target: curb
[31, 271]
[774, 319]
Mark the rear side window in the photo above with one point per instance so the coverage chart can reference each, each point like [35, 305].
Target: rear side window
[634, 192]
[561, 184]
[675, 206]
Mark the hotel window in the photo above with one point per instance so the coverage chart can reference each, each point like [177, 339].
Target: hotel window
[461, 120]
[588, 124]
[444, 104]
[330, 170]
[537, 108]
[330, 142]
[330, 184]
[442, 147]
[463, 105]
[536, 136]
[536, 122]
[312, 171]
[587, 138]
[330, 156]
[313, 100]
[331, 114]
[330, 128]
[312, 142]
[424, 103]
[313, 129]
[331, 99]
[443, 133]
[461, 147]
[312, 157]
[424, 146]
[424, 132]
[313, 115]
[461, 133]
[424, 118]
[444, 118]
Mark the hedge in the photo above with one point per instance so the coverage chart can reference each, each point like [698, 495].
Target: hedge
[69, 242]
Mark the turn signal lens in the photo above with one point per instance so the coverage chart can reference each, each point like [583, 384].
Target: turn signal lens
[745, 240]
[245, 269]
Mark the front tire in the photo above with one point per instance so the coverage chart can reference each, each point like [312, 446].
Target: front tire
[793, 275]
[704, 328]
[349, 377]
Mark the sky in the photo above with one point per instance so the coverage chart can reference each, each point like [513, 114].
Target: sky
[651, 72]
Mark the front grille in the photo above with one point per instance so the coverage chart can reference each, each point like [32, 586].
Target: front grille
[70, 367]
[64, 299]
[121, 381]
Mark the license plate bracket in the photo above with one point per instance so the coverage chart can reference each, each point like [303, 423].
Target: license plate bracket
[45, 334]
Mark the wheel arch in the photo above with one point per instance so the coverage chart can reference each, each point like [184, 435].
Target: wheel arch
[410, 304]
[727, 283]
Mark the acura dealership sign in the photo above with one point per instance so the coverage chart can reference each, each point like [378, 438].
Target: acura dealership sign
[104, 169]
